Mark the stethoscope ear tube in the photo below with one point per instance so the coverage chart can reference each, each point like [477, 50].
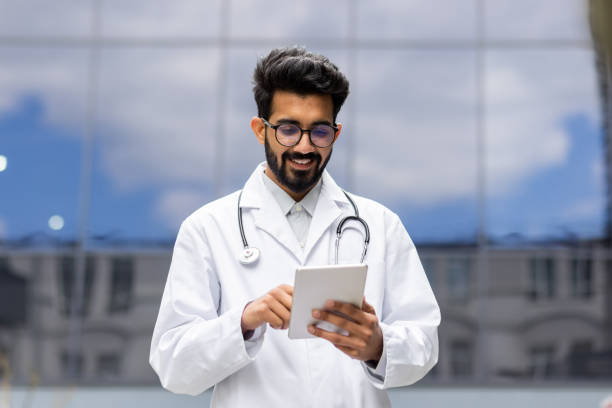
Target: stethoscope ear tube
[339, 231]
[358, 219]
[250, 255]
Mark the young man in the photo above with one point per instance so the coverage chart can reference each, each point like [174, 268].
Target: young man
[222, 319]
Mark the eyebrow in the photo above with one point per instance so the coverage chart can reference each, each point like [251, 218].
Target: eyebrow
[297, 123]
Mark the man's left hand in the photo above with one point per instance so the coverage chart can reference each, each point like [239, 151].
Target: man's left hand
[363, 338]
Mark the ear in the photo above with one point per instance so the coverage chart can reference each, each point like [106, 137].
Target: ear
[259, 129]
[339, 126]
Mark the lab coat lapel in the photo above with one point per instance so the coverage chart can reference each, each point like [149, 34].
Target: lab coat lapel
[267, 213]
[329, 209]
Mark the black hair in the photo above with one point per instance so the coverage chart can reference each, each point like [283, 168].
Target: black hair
[297, 70]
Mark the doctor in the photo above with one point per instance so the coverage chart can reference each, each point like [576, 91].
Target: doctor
[222, 322]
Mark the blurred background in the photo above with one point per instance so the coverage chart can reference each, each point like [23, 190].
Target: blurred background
[485, 124]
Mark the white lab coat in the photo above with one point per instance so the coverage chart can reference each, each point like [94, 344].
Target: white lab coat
[197, 342]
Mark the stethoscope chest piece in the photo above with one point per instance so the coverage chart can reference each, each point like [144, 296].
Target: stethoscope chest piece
[249, 255]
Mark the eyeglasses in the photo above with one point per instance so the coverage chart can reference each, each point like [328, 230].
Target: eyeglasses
[289, 134]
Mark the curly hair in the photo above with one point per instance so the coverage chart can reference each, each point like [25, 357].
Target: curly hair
[297, 70]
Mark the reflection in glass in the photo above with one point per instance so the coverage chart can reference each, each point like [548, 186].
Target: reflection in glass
[542, 279]
[409, 141]
[542, 361]
[303, 19]
[540, 20]
[545, 168]
[462, 359]
[67, 276]
[122, 278]
[458, 277]
[153, 163]
[404, 156]
[160, 18]
[442, 20]
[581, 278]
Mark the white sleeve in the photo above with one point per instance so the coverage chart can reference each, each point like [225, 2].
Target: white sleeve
[410, 315]
[193, 347]
[377, 374]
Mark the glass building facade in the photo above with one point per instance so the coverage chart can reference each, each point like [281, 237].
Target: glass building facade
[478, 122]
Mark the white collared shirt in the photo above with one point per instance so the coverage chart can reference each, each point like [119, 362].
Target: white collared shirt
[299, 214]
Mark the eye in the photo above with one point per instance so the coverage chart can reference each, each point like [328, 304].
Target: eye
[289, 130]
[321, 132]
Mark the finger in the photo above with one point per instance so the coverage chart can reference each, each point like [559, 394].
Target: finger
[348, 309]
[338, 339]
[272, 319]
[285, 298]
[351, 352]
[287, 288]
[280, 311]
[339, 321]
[368, 308]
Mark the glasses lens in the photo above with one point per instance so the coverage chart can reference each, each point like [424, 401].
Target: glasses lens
[322, 135]
[288, 135]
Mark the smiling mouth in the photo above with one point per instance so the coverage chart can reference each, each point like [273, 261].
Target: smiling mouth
[301, 163]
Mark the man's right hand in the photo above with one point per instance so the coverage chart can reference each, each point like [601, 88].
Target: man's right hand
[273, 308]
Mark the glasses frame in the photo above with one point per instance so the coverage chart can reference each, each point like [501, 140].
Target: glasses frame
[302, 131]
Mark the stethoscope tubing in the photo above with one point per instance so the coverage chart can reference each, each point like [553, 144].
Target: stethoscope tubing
[250, 255]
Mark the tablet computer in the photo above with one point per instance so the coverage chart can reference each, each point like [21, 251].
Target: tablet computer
[314, 285]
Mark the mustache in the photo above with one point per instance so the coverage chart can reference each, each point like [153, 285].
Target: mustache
[300, 156]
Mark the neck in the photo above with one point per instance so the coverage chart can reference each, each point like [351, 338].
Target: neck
[297, 197]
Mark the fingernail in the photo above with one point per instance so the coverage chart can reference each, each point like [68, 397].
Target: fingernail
[329, 303]
[310, 329]
[316, 314]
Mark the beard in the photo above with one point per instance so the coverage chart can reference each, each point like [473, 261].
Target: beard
[298, 181]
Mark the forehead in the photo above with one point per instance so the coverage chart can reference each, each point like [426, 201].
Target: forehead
[303, 108]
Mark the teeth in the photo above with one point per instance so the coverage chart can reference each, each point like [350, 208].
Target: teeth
[303, 161]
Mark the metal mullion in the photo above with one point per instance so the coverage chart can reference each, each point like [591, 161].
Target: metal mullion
[78, 288]
[241, 42]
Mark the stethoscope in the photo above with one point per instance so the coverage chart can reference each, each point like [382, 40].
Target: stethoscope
[250, 255]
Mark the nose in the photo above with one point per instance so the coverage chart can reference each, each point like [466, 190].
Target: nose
[304, 146]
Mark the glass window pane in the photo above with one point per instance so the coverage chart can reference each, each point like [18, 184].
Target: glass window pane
[542, 361]
[536, 20]
[154, 155]
[415, 139]
[122, 282]
[581, 278]
[543, 278]
[462, 356]
[294, 20]
[417, 19]
[160, 18]
[42, 111]
[459, 279]
[45, 18]
[543, 133]
[67, 268]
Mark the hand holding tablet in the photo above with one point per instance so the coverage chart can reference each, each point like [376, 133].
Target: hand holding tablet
[315, 285]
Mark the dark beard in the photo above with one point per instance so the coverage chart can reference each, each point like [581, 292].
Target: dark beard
[302, 180]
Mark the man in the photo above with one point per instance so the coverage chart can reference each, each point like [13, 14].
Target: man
[222, 322]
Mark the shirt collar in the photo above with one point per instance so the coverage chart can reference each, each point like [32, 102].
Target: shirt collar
[284, 200]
